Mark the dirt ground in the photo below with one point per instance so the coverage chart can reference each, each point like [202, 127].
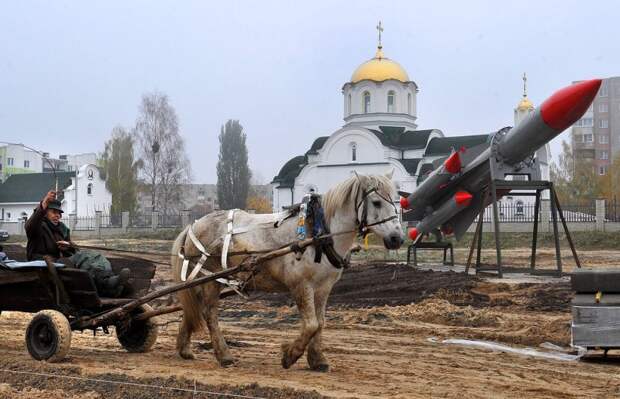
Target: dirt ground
[381, 321]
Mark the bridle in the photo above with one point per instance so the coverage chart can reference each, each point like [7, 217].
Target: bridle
[362, 225]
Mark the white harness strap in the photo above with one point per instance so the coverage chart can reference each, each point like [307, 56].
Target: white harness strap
[201, 261]
[275, 220]
[227, 239]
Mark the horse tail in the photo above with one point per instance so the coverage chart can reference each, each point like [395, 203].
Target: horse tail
[191, 299]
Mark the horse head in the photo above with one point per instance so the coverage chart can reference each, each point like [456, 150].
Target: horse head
[376, 209]
[371, 198]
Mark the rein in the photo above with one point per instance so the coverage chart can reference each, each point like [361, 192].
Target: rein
[363, 225]
[323, 242]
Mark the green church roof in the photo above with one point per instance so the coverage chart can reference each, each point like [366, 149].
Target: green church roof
[32, 187]
[444, 145]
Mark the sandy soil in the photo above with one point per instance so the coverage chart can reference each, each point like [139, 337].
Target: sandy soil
[380, 320]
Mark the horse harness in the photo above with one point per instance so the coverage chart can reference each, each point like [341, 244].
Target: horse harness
[314, 223]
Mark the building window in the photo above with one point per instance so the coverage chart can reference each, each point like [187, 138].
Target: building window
[603, 107]
[353, 152]
[9, 161]
[89, 189]
[602, 170]
[603, 91]
[409, 103]
[584, 122]
[588, 138]
[603, 139]
[366, 104]
[603, 123]
[26, 164]
[390, 101]
[349, 105]
[604, 155]
[519, 208]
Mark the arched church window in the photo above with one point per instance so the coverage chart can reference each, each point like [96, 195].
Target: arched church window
[349, 110]
[366, 102]
[89, 189]
[390, 101]
[409, 103]
[353, 152]
[519, 208]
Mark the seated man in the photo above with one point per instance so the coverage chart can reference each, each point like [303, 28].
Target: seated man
[48, 236]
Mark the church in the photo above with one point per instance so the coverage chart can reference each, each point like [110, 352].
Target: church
[379, 135]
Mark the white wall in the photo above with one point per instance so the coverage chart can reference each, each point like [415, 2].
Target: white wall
[354, 111]
[335, 165]
[14, 212]
[100, 199]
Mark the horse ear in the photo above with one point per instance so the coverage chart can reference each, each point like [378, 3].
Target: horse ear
[390, 174]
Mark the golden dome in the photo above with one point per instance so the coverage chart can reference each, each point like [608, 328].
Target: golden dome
[525, 104]
[379, 69]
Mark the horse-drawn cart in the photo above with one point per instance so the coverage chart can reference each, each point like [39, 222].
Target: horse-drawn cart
[63, 298]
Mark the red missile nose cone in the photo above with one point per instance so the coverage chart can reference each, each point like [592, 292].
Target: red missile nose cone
[404, 202]
[567, 105]
[413, 234]
[463, 198]
[453, 163]
[447, 229]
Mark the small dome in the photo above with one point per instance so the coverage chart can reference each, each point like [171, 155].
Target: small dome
[525, 104]
[379, 69]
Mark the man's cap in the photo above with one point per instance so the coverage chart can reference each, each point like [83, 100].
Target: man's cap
[55, 204]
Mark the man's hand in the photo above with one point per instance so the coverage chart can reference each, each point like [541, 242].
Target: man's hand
[50, 196]
[63, 245]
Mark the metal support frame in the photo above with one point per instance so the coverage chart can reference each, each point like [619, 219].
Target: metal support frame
[539, 186]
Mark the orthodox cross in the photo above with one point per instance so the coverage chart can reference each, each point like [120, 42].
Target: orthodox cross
[379, 30]
[524, 85]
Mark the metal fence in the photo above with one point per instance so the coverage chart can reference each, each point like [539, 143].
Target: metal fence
[612, 211]
[579, 213]
[112, 221]
[85, 223]
[173, 220]
[524, 213]
[140, 220]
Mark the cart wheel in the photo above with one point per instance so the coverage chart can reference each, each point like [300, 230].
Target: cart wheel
[141, 335]
[48, 336]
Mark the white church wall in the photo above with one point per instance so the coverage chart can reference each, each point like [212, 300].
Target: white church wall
[410, 154]
[353, 96]
[339, 147]
[91, 194]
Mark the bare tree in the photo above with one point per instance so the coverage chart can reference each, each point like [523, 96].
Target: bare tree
[165, 164]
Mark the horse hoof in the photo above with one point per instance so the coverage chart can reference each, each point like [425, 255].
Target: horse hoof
[321, 368]
[227, 362]
[187, 355]
[287, 362]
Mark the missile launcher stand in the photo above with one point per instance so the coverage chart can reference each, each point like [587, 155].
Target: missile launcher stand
[498, 183]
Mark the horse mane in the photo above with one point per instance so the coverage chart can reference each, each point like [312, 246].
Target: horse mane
[348, 189]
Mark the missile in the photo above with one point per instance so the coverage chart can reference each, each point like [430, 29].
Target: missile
[509, 149]
[553, 116]
[460, 200]
[436, 180]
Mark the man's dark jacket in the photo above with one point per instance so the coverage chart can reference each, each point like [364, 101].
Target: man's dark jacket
[43, 235]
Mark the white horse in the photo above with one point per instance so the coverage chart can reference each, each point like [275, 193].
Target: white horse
[361, 203]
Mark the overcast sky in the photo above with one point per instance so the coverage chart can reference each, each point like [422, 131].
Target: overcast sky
[71, 71]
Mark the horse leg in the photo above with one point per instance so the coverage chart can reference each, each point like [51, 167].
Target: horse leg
[210, 314]
[304, 298]
[184, 339]
[315, 357]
